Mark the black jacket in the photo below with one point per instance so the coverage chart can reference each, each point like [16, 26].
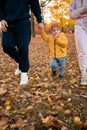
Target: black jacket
[15, 10]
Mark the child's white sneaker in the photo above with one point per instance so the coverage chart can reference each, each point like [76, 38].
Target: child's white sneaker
[24, 79]
[17, 71]
[84, 80]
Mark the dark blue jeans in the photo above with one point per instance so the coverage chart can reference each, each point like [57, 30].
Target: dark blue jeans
[60, 62]
[15, 42]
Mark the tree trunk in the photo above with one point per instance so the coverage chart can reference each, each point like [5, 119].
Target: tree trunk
[32, 25]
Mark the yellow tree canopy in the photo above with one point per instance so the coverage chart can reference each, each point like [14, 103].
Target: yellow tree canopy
[59, 11]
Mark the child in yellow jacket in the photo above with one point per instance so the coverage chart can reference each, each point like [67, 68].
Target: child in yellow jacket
[57, 43]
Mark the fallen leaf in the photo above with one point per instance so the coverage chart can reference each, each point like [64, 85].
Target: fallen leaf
[67, 112]
[8, 107]
[49, 99]
[77, 120]
[2, 91]
[32, 127]
[64, 128]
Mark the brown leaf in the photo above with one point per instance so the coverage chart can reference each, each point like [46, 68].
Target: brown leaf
[4, 121]
[52, 121]
[64, 128]
[2, 91]
[32, 127]
[67, 112]
[85, 124]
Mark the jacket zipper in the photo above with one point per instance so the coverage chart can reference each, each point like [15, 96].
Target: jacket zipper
[54, 48]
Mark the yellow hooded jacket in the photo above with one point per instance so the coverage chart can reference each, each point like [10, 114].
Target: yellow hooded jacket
[57, 48]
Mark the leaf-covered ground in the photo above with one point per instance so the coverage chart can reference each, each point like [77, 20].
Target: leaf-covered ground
[46, 103]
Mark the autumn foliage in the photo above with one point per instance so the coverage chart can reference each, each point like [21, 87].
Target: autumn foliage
[46, 103]
[59, 11]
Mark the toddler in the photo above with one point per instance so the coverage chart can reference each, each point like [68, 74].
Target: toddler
[57, 43]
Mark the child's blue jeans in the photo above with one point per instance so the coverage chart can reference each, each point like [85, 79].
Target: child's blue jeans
[60, 62]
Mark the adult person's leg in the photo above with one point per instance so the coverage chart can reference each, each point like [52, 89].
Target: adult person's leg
[81, 46]
[8, 43]
[22, 39]
[15, 43]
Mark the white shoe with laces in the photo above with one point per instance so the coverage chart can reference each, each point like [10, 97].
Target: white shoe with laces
[24, 79]
[17, 71]
[84, 80]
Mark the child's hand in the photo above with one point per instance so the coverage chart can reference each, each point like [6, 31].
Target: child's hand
[56, 36]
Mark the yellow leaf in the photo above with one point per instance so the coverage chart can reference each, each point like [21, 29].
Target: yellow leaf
[62, 104]
[73, 80]
[29, 108]
[49, 74]
[8, 107]
[46, 120]
[15, 111]
[49, 99]
[0, 107]
[31, 79]
[77, 120]
[37, 78]
[7, 102]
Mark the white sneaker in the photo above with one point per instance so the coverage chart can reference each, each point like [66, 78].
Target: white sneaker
[17, 71]
[84, 80]
[24, 79]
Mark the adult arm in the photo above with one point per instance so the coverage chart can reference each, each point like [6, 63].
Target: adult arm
[75, 13]
[35, 7]
[4, 24]
[1, 10]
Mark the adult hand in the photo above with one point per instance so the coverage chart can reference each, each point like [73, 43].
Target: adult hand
[4, 25]
[41, 26]
[84, 9]
[83, 15]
